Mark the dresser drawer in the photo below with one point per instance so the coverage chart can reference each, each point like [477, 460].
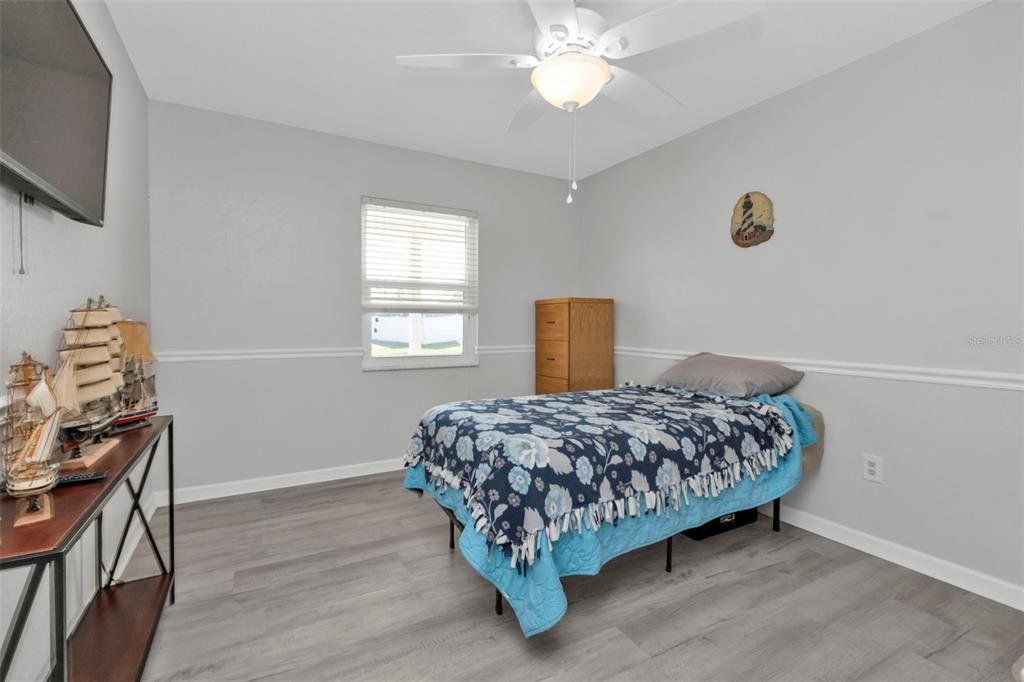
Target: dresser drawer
[551, 385]
[553, 358]
[553, 321]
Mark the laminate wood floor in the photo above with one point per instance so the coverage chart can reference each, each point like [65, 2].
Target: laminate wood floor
[354, 580]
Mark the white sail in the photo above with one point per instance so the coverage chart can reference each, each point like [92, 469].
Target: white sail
[114, 347]
[48, 438]
[15, 394]
[87, 356]
[40, 444]
[15, 443]
[86, 337]
[135, 335]
[42, 399]
[31, 470]
[92, 373]
[143, 389]
[65, 389]
[90, 392]
[114, 312]
[94, 317]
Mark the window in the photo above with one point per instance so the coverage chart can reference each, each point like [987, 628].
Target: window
[419, 286]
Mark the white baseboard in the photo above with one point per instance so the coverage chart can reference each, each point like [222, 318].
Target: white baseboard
[968, 579]
[213, 491]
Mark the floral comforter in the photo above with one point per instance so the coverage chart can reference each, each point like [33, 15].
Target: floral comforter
[534, 467]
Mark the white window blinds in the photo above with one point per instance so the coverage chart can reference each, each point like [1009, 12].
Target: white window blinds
[418, 258]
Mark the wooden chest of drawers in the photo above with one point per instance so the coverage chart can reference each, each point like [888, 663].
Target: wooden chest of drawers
[574, 344]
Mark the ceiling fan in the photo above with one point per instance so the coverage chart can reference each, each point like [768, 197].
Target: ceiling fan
[573, 47]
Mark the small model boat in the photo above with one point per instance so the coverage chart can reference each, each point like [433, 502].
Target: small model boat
[30, 429]
[138, 401]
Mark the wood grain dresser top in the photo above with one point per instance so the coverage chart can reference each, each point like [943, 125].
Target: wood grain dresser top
[571, 299]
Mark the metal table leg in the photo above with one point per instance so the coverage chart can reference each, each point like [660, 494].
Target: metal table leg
[60, 618]
[170, 500]
[99, 551]
[776, 513]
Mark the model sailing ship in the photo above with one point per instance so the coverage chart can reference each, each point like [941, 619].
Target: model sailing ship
[110, 393]
[138, 396]
[91, 352]
[30, 429]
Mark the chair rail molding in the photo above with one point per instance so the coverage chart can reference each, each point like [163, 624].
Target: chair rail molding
[525, 348]
[1004, 381]
[256, 354]
[302, 353]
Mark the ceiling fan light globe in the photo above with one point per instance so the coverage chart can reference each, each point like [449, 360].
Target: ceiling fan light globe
[570, 78]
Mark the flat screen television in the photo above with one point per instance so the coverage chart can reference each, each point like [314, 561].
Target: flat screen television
[54, 108]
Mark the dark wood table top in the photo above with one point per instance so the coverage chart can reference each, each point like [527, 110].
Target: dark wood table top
[75, 506]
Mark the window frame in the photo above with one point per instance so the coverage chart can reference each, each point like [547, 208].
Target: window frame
[469, 356]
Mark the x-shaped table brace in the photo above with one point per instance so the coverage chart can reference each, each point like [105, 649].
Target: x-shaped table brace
[31, 586]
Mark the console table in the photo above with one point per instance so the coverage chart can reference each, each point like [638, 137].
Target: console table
[112, 639]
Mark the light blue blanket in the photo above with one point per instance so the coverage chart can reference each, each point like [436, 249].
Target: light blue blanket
[537, 596]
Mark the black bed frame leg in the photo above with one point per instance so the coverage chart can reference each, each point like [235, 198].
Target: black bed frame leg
[776, 513]
[497, 601]
[451, 534]
[668, 556]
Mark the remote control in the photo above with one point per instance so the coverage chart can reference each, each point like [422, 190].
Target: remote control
[80, 477]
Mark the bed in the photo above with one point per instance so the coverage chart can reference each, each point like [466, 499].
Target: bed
[558, 485]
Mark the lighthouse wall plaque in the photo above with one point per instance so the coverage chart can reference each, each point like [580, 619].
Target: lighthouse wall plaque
[753, 220]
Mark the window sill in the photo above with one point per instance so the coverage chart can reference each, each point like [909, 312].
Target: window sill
[389, 365]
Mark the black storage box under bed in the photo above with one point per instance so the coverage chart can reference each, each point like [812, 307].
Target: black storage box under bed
[722, 524]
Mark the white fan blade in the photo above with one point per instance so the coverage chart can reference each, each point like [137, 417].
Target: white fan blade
[638, 93]
[468, 61]
[672, 24]
[552, 14]
[529, 111]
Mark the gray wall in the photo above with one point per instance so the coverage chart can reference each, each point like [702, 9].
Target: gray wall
[256, 248]
[67, 262]
[897, 190]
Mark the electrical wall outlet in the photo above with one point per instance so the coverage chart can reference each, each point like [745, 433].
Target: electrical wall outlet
[873, 470]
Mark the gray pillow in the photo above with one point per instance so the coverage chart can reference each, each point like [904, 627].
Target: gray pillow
[737, 377]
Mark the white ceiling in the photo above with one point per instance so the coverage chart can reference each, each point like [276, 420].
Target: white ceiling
[329, 66]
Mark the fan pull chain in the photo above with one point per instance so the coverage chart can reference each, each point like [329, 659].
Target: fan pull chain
[572, 164]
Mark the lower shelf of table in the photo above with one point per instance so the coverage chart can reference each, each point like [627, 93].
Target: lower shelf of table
[112, 640]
